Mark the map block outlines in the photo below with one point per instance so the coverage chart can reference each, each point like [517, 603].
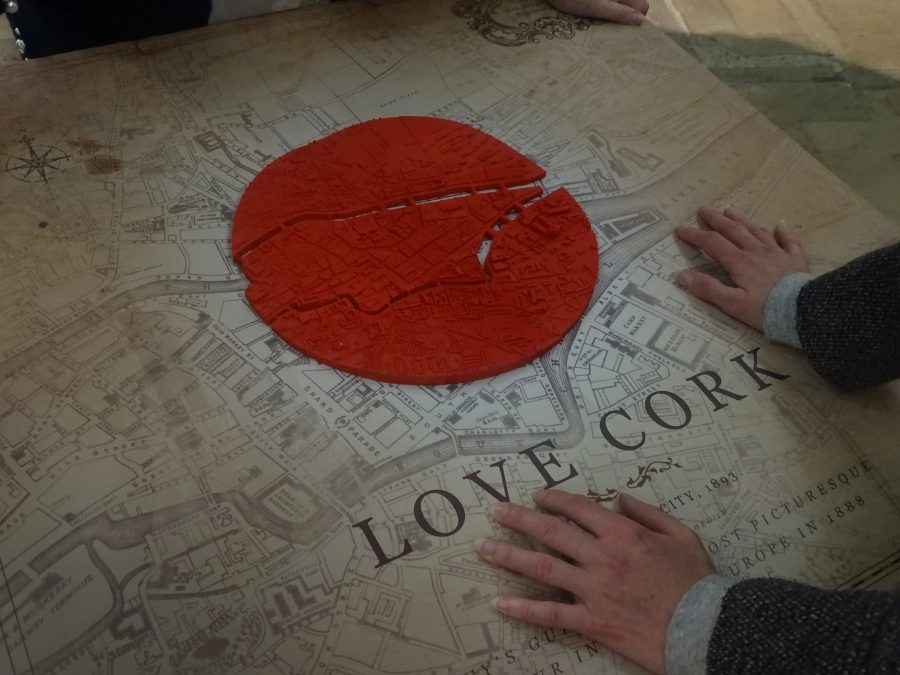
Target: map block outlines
[178, 487]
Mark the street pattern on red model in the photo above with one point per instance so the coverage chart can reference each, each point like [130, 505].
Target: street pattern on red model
[414, 250]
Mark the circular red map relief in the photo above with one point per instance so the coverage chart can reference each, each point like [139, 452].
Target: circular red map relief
[406, 249]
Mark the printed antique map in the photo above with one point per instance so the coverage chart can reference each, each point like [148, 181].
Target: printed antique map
[181, 493]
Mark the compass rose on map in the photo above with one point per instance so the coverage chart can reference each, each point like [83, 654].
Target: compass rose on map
[34, 163]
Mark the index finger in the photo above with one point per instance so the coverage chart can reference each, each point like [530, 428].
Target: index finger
[734, 230]
[583, 511]
[710, 242]
[547, 529]
[600, 9]
[643, 6]
[757, 231]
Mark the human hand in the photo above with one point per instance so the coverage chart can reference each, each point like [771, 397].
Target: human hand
[620, 11]
[626, 572]
[754, 258]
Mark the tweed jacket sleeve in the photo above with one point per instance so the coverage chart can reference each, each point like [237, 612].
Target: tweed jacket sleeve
[776, 626]
[848, 320]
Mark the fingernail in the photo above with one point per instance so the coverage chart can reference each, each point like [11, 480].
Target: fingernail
[499, 510]
[683, 279]
[500, 604]
[485, 547]
[539, 495]
[637, 18]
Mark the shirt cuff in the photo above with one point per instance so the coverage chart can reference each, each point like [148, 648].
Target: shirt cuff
[780, 312]
[691, 627]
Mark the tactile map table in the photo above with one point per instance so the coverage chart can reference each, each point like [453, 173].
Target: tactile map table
[182, 493]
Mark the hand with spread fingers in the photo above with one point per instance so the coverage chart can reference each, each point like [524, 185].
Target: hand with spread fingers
[621, 11]
[626, 572]
[754, 258]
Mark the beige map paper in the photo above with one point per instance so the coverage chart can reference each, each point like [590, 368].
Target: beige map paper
[181, 493]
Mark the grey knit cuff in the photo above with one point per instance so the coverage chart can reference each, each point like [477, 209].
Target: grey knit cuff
[691, 627]
[780, 312]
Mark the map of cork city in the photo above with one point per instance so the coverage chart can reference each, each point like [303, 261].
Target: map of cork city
[181, 491]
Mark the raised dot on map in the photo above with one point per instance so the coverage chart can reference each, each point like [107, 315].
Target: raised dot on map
[414, 250]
